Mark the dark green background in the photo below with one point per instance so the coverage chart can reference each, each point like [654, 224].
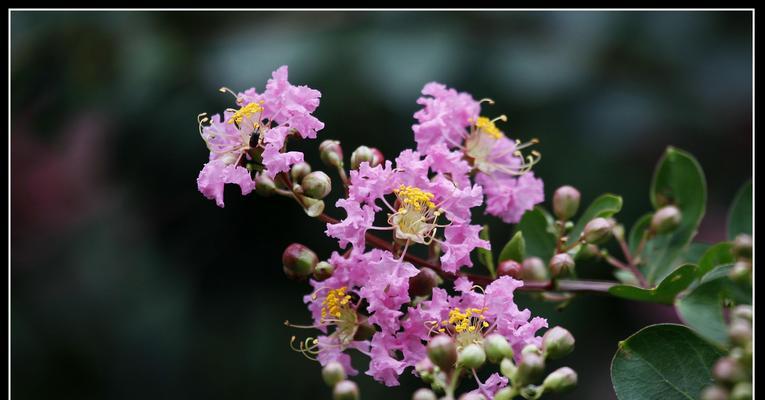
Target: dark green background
[127, 283]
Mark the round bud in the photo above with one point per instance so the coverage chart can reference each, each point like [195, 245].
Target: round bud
[505, 393]
[377, 157]
[331, 153]
[742, 311]
[714, 393]
[442, 352]
[617, 230]
[741, 272]
[597, 230]
[472, 356]
[566, 202]
[587, 251]
[742, 246]
[360, 155]
[298, 261]
[557, 343]
[424, 394]
[727, 370]
[740, 332]
[423, 283]
[666, 219]
[316, 185]
[509, 268]
[497, 348]
[332, 373]
[346, 390]
[299, 171]
[423, 366]
[264, 185]
[530, 369]
[742, 391]
[534, 269]
[323, 270]
[507, 367]
[560, 380]
[531, 349]
[560, 263]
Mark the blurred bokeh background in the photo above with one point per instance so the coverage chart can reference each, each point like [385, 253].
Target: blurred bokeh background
[127, 283]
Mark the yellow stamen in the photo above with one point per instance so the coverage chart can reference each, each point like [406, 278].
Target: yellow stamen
[245, 112]
[334, 302]
[487, 126]
[415, 198]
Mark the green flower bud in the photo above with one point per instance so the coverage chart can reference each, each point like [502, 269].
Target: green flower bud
[442, 351]
[313, 207]
[331, 153]
[617, 230]
[597, 230]
[507, 367]
[360, 155]
[587, 252]
[299, 171]
[424, 394]
[505, 393]
[714, 392]
[423, 283]
[264, 185]
[560, 263]
[332, 373]
[317, 185]
[472, 356]
[740, 332]
[557, 343]
[741, 272]
[323, 270]
[742, 391]
[727, 370]
[742, 246]
[742, 311]
[566, 202]
[530, 369]
[509, 268]
[531, 349]
[346, 390]
[666, 219]
[560, 380]
[534, 269]
[298, 261]
[497, 348]
[425, 369]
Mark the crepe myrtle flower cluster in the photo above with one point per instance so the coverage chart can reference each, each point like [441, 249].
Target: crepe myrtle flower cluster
[374, 296]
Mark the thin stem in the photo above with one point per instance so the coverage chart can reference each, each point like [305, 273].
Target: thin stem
[631, 264]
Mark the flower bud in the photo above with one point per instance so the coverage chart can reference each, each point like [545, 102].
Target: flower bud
[531, 349]
[317, 185]
[323, 270]
[299, 171]
[507, 367]
[264, 185]
[509, 268]
[424, 394]
[346, 390]
[742, 246]
[472, 396]
[557, 343]
[497, 348]
[298, 261]
[714, 393]
[533, 269]
[742, 391]
[560, 263]
[742, 311]
[423, 283]
[442, 352]
[587, 252]
[617, 230]
[472, 356]
[505, 393]
[666, 219]
[377, 157]
[331, 153]
[360, 155]
[313, 207]
[332, 373]
[530, 369]
[741, 272]
[740, 332]
[560, 380]
[566, 202]
[597, 230]
[727, 370]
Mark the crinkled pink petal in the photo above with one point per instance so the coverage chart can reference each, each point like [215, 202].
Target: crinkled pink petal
[368, 184]
[444, 117]
[510, 197]
[491, 386]
[215, 174]
[353, 227]
[382, 365]
[460, 241]
[451, 163]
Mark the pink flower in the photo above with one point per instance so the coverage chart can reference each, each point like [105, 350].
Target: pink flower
[444, 117]
[491, 386]
[510, 197]
[419, 209]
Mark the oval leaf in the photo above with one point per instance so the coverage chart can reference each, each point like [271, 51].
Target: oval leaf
[604, 206]
[740, 214]
[515, 249]
[665, 293]
[715, 256]
[664, 361]
[540, 242]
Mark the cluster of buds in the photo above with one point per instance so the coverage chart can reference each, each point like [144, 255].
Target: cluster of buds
[742, 250]
[733, 372]
[335, 377]
[532, 269]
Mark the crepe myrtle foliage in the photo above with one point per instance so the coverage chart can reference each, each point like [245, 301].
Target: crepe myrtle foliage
[398, 290]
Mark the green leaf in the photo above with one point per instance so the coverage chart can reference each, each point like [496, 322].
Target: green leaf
[515, 249]
[665, 293]
[716, 255]
[540, 242]
[636, 233]
[485, 255]
[702, 308]
[604, 206]
[740, 214]
[665, 361]
[678, 180]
